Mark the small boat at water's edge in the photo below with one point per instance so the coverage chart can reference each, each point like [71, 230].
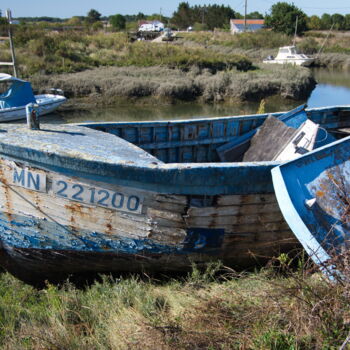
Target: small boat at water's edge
[290, 55]
[313, 193]
[146, 196]
[18, 94]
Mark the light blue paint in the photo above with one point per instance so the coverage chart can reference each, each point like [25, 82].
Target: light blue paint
[19, 93]
[85, 153]
[24, 232]
[322, 174]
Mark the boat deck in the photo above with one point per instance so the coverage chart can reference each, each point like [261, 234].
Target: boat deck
[71, 142]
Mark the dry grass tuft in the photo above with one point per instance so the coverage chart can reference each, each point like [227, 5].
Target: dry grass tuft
[272, 309]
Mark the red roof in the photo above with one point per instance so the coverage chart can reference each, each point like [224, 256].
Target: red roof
[249, 21]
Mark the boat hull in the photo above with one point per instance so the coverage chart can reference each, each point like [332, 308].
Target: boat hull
[47, 104]
[46, 235]
[312, 192]
[70, 194]
[295, 62]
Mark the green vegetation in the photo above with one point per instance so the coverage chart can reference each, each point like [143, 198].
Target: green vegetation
[283, 18]
[246, 41]
[93, 16]
[207, 66]
[107, 86]
[50, 51]
[118, 22]
[210, 16]
[263, 310]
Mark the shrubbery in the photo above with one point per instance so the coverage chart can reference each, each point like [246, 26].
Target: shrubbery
[47, 50]
[107, 84]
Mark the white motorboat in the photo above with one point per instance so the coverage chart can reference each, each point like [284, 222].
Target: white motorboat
[17, 93]
[289, 54]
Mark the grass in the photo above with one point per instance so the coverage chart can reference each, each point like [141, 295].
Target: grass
[257, 46]
[263, 310]
[106, 86]
[43, 50]
[106, 69]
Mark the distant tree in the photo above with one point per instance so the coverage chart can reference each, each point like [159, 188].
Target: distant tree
[210, 16]
[140, 15]
[314, 23]
[283, 17]
[339, 21]
[97, 25]
[93, 16]
[218, 16]
[347, 22]
[182, 18]
[326, 21]
[75, 20]
[118, 22]
[255, 15]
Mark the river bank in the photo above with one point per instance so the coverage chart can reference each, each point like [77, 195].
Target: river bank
[108, 86]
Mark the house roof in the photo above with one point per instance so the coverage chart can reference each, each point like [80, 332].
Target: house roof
[249, 21]
[250, 27]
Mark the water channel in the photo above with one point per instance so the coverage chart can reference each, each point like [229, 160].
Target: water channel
[333, 88]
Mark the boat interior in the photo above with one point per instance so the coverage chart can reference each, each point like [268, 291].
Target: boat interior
[206, 140]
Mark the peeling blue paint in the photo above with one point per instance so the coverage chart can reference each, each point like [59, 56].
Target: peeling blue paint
[322, 175]
[22, 232]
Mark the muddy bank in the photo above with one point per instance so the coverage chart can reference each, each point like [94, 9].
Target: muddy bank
[109, 86]
[334, 61]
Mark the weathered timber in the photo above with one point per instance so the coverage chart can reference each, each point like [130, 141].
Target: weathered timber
[313, 194]
[91, 199]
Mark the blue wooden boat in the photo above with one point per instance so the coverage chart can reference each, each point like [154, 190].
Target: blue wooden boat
[313, 193]
[138, 196]
[17, 93]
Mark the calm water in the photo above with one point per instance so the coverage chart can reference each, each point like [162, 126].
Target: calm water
[333, 89]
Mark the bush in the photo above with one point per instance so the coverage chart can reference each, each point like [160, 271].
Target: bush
[308, 46]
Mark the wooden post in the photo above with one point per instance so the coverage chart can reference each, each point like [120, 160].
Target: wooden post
[32, 112]
[245, 16]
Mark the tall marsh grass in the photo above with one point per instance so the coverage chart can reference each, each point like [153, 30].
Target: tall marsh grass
[258, 40]
[107, 85]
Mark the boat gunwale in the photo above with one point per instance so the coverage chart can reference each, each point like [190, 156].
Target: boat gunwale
[290, 213]
[207, 178]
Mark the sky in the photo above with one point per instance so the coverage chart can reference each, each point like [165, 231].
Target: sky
[69, 8]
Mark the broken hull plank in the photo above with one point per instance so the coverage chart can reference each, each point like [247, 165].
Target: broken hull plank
[313, 194]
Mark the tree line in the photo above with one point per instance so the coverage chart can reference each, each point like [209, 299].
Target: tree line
[281, 18]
